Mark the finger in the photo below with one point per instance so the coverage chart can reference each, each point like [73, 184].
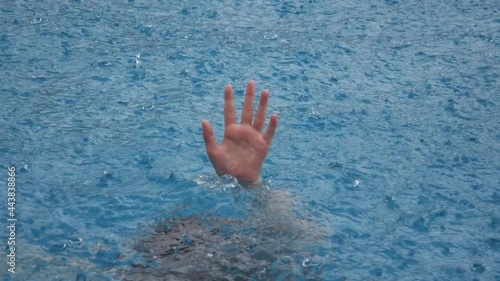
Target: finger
[273, 124]
[209, 137]
[229, 109]
[260, 117]
[247, 115]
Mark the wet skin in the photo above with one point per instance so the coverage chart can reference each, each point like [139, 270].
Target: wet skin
[244, 146]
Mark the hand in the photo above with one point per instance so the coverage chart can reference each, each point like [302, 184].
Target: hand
[244, 147]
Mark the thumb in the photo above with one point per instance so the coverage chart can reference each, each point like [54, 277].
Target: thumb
[208, 136]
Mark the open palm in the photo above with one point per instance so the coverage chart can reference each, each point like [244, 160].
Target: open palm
[244, 147]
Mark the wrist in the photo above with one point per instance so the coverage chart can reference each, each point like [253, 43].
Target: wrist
[251, 183]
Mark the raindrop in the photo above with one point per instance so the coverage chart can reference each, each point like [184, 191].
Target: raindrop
[75, 240]
[477, 267]
[107, 174]
[58, 247]
[24, 168]
[138, 61]
[286, 260]
[36, 20]
[187, 239]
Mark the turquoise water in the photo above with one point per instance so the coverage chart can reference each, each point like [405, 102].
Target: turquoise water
[388, 142]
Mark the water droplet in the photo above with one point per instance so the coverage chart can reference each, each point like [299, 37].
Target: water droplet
[36, 20]
[75, 240]
[286, 260]
[186, 239]
[58, 247]
[24, 168]
[107, 174]
[138, 61]
[477, 267]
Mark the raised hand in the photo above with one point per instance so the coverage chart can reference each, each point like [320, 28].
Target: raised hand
[244, 147]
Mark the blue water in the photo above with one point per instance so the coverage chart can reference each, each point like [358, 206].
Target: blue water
[388, 138]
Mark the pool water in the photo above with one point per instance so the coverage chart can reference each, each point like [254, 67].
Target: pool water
[386, 159]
